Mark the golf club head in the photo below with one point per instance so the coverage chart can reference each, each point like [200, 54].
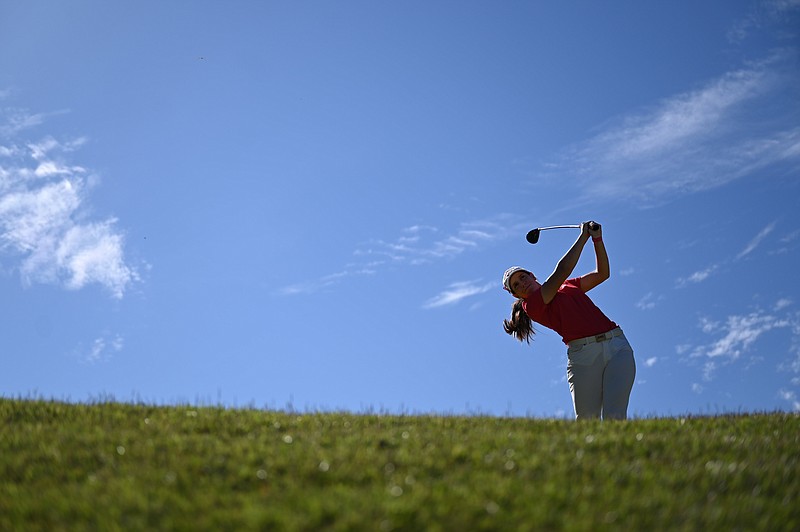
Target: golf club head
[532, 236]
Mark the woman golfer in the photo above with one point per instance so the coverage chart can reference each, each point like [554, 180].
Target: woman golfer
[600, 367]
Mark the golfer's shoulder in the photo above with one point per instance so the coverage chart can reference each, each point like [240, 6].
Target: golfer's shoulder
[534, 303]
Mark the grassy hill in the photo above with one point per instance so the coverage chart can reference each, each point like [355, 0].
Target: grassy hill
[117, 466]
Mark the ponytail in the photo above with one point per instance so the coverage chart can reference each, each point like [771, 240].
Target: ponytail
[520, 325]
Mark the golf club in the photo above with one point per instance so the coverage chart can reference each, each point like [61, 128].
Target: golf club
[533, 234]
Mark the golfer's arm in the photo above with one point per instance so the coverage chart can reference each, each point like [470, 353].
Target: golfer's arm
[563, 269]
[602, 270]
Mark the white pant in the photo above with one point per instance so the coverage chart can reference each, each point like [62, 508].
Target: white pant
[600, 376]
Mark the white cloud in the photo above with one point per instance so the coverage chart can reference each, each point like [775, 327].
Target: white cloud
[457, 292]
[708, 370]
[683, 348]
[765, 13]
[708, 325]
[418, 245]
[740, 332]
[40, 150]
[794, 363]
[42, 220]
[791, 236]
[16, 120]
[737, 335]
[93, 253]
[650, 362]
[29, 217]
[694, 141]
[704, 274]
[697, 277]
[790, 397]
[101, 349]
[753, 244]
[425, 244]
[648, 301]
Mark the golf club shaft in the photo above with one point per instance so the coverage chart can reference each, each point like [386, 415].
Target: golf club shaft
[560, 227]
[592, 226]
[533, 235]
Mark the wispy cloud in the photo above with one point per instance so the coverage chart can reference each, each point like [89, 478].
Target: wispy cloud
[697, 277]
[315, 285]
[793, 364]
[457, 292]
[753, 244]
[704, 274]
[43, 226]
[787, 243]
[417, 245]
[425, 244]
[738, 334]
[14, 121]
[648, 301]
[790, 397]
[791, 237]
[764, 13]
[735, 336]
[101, 349]
[698, 140]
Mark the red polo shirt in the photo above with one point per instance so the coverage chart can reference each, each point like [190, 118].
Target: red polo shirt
[571, 313]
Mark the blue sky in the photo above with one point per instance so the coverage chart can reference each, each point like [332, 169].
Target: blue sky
[311, 204]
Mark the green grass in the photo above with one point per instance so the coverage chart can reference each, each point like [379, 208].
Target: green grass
[114, 466]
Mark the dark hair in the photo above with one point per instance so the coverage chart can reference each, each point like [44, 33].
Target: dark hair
[520, 325]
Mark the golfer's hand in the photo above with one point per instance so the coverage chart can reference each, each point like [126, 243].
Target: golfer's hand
[594, 233]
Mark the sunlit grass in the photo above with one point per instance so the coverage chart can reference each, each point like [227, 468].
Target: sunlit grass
[112, 466]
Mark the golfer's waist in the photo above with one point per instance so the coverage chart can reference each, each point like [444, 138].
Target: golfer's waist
[596, 338]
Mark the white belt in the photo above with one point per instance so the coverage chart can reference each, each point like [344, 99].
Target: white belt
[599, 338]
